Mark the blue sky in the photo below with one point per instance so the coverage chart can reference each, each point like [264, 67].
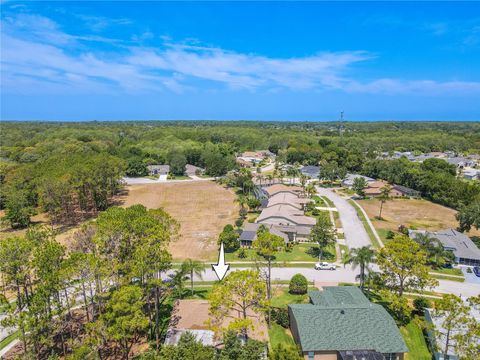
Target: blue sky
[240, 60]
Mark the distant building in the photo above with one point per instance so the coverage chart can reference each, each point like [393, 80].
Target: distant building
[253, 157]
[340, 323]
[471, 174]
[312, 172]
[158, 169]
[405, 191]
[350, 178]
[461, 162]
[463, 248]
[193, 170]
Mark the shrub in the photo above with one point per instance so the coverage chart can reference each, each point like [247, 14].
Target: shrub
[239, 222]
[242, 254]
[280, 316]
[390, 234]
[298, 284]
[421, 304]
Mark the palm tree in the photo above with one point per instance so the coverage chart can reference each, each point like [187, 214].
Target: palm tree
[436, 254]
[270, 178]
[193, 267]
[310, 189]
[384, 197]
[362, 257]
[177, 281]
[303, 182]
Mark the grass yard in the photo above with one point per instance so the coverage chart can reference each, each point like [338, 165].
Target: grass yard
[413, 337]
[417, 213]
[282, 298]
[300, 252]
[279, 335]
[202, 208]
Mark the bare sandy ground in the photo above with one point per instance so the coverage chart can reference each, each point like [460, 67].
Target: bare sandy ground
[421, 214]
[202, 208]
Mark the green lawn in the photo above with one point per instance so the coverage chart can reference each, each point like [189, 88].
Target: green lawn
[178, 177]
[413, 337]
[282, 298]
[449, 278]
[328, 201]
[446, 271]
[9, 339]
[279, 335]
[299, 252]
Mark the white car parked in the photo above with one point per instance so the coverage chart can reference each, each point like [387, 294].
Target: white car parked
[325, 266]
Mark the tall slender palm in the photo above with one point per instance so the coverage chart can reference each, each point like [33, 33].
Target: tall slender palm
[193, 267]
[310, 189]
[384, 197]
[361, 257]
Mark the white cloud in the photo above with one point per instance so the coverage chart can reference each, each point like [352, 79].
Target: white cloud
[37, 56]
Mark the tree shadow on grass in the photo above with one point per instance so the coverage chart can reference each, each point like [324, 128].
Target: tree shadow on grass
[314, 252]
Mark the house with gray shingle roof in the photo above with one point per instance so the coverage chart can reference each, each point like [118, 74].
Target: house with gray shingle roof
[462, 247]
[341, 323]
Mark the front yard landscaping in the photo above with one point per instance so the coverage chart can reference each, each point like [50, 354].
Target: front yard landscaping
[300, 252]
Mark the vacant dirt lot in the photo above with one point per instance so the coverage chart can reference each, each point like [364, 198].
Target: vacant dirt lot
[421, 214]
[202, 208]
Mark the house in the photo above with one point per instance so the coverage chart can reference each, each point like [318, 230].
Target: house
[375, 189]
[249, 233]
[350, 178]
[284, 215]
[471, 174]
[437, 334]
[312, 172]
[461, 162]
[341, 323]
[405, 191]
[158, 169]
[287, 198]
[192, 170]
[281, 188]
[192, 316]
[464, 249]
[252, 157]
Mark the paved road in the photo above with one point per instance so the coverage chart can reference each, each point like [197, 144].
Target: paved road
[355, 234]
[346, 274]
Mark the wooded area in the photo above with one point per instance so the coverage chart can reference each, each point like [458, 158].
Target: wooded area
[73, 170]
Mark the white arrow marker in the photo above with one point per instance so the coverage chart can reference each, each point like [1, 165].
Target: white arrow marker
[221, 268]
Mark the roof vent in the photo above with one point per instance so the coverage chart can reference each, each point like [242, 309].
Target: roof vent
[342, 312]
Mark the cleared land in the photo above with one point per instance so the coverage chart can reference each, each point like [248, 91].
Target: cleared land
[202, 208]
[421, 214]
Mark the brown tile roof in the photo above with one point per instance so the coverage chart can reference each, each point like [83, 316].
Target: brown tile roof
[277, 188]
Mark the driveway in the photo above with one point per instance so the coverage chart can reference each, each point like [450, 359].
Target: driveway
[355, 234]
[470, 277]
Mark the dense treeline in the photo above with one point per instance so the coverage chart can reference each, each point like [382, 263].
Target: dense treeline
[434, 178]
[74, 169]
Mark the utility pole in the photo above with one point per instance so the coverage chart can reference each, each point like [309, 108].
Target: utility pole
[341, 123]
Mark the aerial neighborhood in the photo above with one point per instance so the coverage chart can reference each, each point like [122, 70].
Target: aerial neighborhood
[321, 259]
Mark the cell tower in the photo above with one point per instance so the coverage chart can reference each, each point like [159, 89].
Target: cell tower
[340, 128]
